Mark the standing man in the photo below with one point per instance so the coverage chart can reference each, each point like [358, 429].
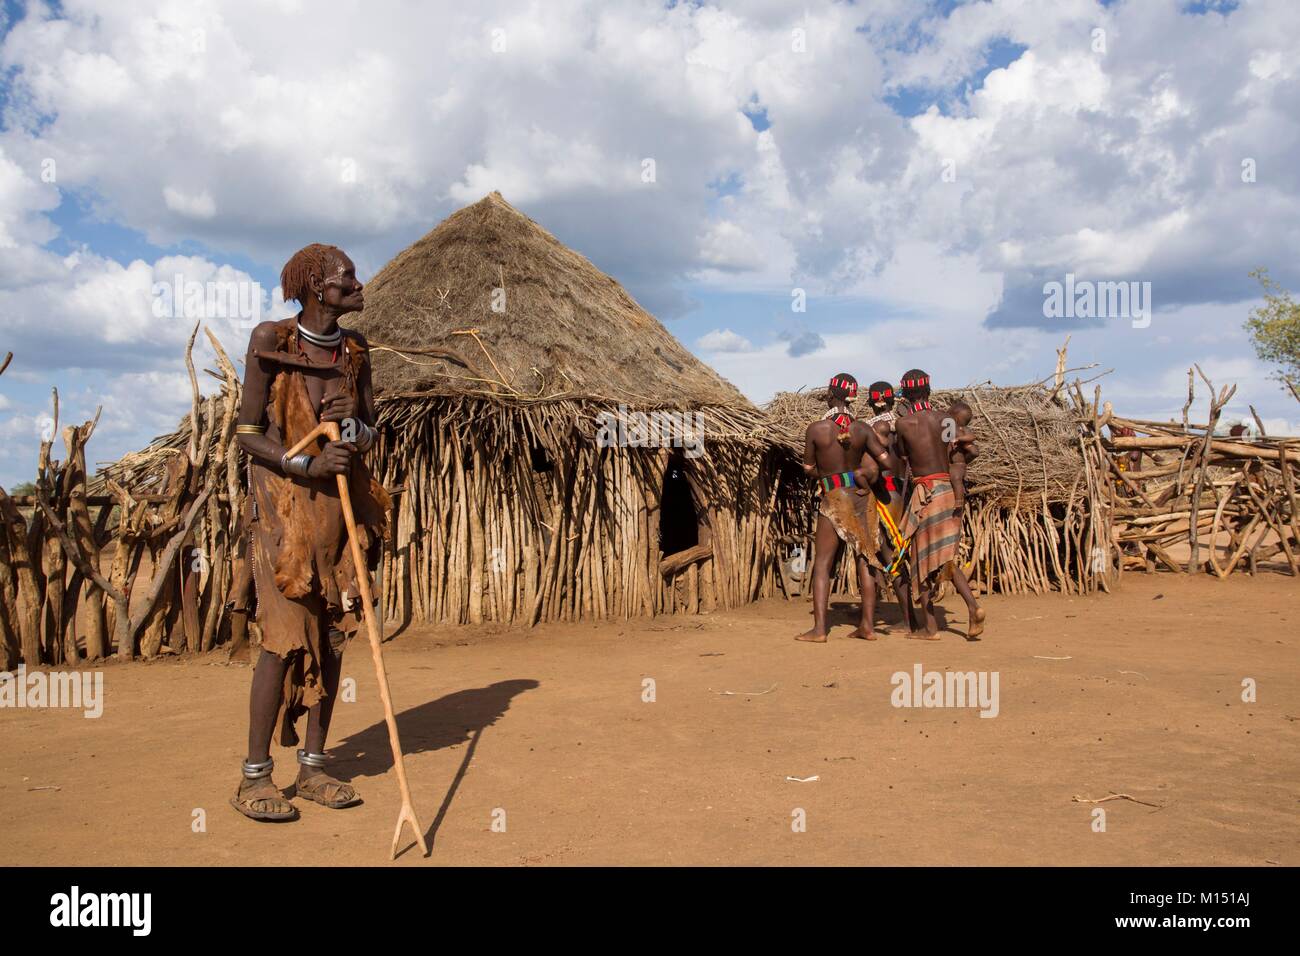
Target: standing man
[299, 372]
[839, 453]
[931, 522]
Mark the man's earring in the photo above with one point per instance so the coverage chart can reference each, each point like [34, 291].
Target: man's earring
[320, 297]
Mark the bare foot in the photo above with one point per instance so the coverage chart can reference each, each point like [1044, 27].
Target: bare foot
[811, 637]
[863, 634]
[976, 626]
[922, 636]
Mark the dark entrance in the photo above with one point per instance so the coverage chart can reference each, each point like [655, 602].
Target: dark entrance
[679, 526]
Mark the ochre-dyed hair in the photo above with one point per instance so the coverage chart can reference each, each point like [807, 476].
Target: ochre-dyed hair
[843, 386]
[308, 259]
[881, 393]
[915, 385]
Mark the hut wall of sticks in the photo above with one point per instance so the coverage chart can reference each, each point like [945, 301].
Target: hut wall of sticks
[554, 454]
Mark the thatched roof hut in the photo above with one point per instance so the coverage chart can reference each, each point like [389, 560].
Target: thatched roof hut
[560, 455]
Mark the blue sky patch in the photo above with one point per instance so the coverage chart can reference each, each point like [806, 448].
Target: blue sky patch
[914, 100]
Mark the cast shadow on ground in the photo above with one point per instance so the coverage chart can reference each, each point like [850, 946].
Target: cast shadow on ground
[888, 614]
[454, 719]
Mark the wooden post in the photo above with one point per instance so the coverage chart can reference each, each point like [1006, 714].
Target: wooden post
[1216, 407]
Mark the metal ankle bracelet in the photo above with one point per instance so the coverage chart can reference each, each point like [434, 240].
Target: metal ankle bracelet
[316, 761]
[256, 771]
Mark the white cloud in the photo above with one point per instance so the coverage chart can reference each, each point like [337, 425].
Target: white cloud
[723, 340]
[199, 124]
[727, 246]
[197, 206]
[103, 332]
[915, 343]
[1067, 159]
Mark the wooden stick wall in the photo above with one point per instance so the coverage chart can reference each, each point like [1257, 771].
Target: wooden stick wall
[516, 516]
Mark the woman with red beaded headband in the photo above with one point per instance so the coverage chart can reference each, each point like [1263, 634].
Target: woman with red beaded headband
[931, 523]
[915, 389]
[881, 398]
[843, 388]
[841, 454]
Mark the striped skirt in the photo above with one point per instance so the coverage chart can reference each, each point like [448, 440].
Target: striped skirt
[933, 526]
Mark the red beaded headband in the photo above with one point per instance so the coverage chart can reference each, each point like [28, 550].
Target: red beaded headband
[916, 382]
[882, 396]
[845, 385]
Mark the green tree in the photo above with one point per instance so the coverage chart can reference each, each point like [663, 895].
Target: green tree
[1274, 329]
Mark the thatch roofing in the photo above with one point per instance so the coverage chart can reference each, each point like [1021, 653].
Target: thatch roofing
[568, 331]
[1027, 436]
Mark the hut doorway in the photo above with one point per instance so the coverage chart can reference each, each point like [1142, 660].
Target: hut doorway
[679, 524]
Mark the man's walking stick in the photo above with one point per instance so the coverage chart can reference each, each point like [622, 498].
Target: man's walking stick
[407, 815]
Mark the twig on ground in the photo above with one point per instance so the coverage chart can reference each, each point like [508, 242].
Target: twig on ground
[743, 693]
[1116, 796]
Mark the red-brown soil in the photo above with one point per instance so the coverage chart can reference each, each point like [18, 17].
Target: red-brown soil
[550, 726]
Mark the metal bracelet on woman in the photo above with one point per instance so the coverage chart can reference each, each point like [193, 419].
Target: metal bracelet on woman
[366, 437]
[297, 465]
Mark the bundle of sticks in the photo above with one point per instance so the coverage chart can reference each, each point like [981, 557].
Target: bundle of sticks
[1230, 502]
[137, 560]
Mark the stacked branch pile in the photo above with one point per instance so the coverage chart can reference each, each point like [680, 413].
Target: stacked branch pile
[136, 561]
[1199, 501]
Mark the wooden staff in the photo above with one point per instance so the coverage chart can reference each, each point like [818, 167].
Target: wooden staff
[407, 814]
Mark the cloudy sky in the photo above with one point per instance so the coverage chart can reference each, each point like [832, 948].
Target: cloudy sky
[919, 170]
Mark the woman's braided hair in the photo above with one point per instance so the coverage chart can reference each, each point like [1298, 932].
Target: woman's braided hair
[306, 261]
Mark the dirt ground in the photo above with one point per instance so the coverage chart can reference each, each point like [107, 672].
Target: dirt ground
[547, 731]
